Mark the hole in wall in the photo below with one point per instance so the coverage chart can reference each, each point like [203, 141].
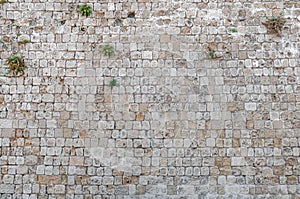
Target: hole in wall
[131, 14]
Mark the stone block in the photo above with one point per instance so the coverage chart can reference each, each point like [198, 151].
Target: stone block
[7, 188]
[76, 161]
[250, 106]
[5, 123]
[238, 161]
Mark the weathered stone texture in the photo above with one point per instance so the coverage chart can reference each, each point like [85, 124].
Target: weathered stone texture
[207, 103]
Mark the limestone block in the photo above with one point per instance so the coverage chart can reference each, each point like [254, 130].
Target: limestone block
[5, 123]
[7, 188]
[237, 161]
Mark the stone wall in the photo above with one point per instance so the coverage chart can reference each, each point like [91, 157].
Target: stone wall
[205, 102]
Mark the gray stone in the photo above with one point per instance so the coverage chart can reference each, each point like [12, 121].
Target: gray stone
[4, 123]
[7, 188]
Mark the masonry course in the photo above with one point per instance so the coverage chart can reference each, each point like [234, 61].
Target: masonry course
[200, 110]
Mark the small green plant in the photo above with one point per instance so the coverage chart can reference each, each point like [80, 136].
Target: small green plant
[85, 10]
[24, 41]
[3, 1]
[4, 46]
[233, 30]
[113, 83]
[107, 50]
[211, 54]
[16, 65]
[275, 24]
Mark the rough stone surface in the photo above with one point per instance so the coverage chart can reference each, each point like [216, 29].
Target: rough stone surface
[207, 103]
